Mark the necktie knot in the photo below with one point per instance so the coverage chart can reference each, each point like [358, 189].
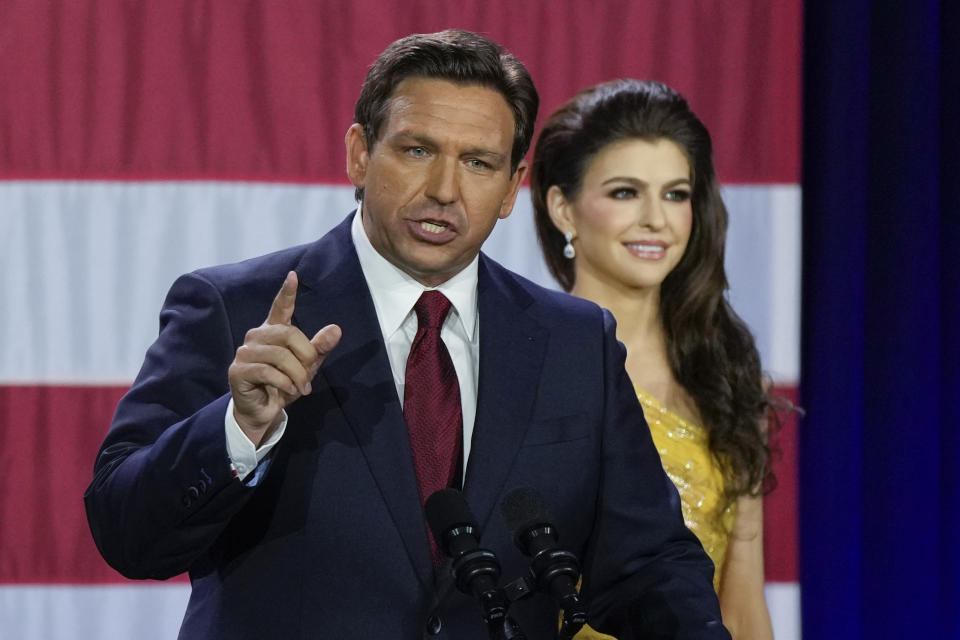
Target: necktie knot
[432, 309]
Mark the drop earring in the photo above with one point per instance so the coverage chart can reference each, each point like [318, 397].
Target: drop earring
[568, 251]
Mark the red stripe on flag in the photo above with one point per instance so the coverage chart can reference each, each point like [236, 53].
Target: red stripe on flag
[265, 91]
[50, 441]
[780, 523]
[47, 448]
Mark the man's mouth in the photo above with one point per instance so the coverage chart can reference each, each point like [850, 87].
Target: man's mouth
[433, 227]
[433, 231]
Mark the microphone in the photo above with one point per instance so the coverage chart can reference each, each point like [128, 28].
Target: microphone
[554, 570]
[476, 570]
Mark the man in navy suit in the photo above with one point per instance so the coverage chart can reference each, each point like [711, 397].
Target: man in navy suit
[264, 447]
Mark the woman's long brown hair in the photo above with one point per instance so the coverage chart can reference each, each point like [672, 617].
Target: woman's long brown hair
[710, 349]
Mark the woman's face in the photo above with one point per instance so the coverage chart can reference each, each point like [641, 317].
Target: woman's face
[633, 215]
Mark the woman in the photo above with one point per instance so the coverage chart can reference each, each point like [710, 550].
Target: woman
[629, 215]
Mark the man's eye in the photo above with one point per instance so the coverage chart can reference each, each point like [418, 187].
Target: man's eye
[623, 193]
[417, 152]
[678, 195]
[475, 163]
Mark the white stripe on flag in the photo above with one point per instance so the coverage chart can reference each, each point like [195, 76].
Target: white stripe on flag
[86, 264]
[763, 266]
[72, 612]
[153, 611]
[783, 600]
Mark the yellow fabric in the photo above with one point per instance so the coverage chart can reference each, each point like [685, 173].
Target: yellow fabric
[685, 454]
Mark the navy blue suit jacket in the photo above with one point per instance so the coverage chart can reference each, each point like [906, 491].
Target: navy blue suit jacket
[332, 541]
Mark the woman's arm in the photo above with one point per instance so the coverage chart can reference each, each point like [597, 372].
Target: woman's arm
[742, 601]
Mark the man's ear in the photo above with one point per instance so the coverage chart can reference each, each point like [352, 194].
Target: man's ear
[515, 181]
[561, 210]
[358, 155]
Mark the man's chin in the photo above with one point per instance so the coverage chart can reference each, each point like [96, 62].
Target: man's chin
[431, 273]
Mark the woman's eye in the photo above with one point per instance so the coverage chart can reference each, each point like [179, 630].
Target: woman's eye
[678, 195]
[624, 193]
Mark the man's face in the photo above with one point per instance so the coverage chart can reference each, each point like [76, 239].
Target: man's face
[438, 178]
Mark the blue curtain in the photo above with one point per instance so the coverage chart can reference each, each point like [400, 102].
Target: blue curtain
[880, 354]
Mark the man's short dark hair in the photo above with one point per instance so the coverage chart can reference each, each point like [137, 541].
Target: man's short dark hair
[461, 57]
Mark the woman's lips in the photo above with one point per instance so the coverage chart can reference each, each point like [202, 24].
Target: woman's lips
[647, 250]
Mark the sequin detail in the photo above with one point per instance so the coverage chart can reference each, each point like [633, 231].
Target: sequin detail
[685, 454]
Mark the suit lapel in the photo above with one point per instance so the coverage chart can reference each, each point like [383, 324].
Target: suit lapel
[512, 347]
[333, 290]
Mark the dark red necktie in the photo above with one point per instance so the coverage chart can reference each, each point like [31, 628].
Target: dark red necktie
[431, 401]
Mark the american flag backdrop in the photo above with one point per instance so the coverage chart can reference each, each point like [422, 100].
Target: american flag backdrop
[141, 140]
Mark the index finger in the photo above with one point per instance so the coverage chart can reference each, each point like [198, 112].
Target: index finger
[281, 311]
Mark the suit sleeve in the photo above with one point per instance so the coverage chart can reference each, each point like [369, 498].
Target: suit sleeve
[163, 489]
[647, 575]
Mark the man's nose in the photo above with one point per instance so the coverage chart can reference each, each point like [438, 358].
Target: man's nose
[443, 184]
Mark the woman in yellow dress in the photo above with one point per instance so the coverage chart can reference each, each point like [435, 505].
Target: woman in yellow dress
[629, 215]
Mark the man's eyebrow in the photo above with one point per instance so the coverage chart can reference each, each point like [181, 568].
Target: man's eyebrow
[419, 138]
[487, 154]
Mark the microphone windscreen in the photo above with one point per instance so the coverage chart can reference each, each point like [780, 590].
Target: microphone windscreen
[445, 509]
[523, 509]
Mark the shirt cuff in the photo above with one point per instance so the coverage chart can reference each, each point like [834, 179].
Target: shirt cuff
[244, 456]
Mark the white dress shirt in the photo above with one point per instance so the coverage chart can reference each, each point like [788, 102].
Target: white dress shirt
[394, 293]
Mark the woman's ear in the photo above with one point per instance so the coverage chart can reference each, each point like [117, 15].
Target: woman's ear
[561, 210]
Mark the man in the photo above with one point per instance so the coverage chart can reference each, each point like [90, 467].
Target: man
[279, 445]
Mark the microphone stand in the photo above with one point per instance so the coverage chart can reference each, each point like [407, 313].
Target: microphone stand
[556, 571]
[553, 570]
[476, 571]
[574, 617]
[508, 629]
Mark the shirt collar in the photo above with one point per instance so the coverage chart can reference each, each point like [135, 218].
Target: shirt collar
[395, 292]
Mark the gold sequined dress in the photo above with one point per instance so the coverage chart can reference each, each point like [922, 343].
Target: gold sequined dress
[685, 454]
